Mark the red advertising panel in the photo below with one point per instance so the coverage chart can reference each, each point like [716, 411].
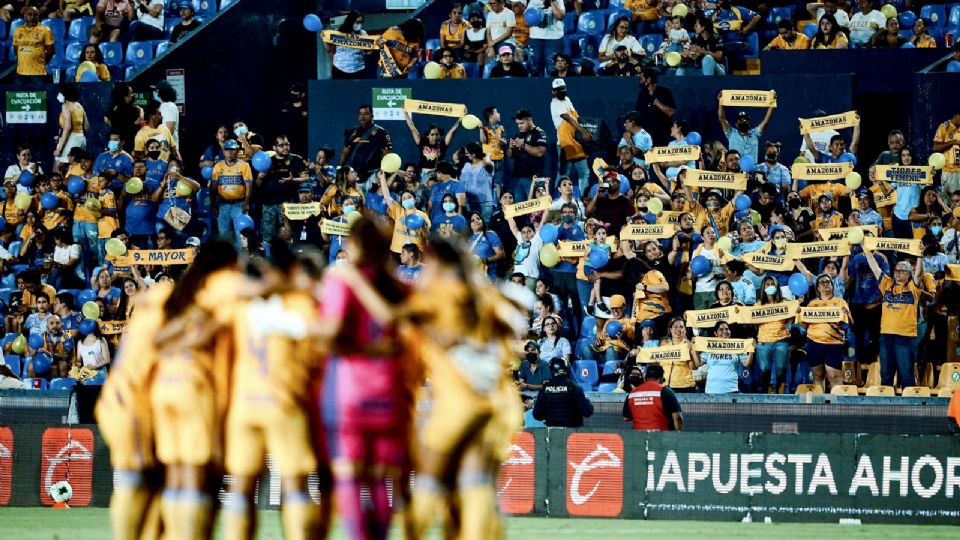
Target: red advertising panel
[515, 483]
[67, 455]
[6, 464]
[594, 474]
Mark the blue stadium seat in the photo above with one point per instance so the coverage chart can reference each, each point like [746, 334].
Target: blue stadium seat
[472, 69]
[129, 71]
[73, 52]
[169, 23]
[610, 368]
[615, 3]
[953, 21]
[937, 15]
[58, 27]
[569, 22]
[14, 247]
[592, 23]
[416, 71]
[80, 29]
[63, 383]
[139, 53]
[615, 13]
[224, 4]
[162, 47]
[37, 384]
[487, 69]
[3, 30]
[70, 75]
[14, 24]
[650, 43]
[15, 363]
[584, 373]
[5, 295]
[753, 46]
[588, 328]
[607, 387]
[588, 47]
[57, 61]
[205, 8]
[777, 14]
[112, 53]
[571, 45]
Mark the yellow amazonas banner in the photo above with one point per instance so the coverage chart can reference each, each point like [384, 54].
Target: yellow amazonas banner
[162, 257]
[112, 327]
[807, 250]
[815, 172]
[666, 154]
[573, 249]
[769, 312]
[824, 123]
[821, 315]
[350, 41]
[656, 231]
[905, 174]
[763, 261]
[885, 200]
[708, 318]
[842, 232]
[722, 346]
[301, 211]
[748, 98]
[665, 354]
[709, 179]
[911, 247]
[527, 207]
[669, 217]
[436, 108]
[335, 228]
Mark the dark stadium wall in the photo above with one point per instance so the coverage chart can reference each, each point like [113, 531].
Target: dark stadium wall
[336, 103]
[933, 102]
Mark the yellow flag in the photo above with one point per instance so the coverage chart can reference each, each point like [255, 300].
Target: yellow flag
[825, 123]
[748, 98]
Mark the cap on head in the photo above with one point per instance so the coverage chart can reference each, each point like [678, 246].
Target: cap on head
[505, 49]
[617, 301]
[231, 144]
[193, 241]
[559, 83]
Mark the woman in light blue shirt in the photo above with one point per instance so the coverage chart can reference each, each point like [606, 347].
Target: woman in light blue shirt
[347, 63]
[722, 371]
[908, 197]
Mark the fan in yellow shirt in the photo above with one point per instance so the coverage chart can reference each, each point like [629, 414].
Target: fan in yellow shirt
[788, 39]
[712, 211]
[825, 340]
[34, 45]
[947, 141]
[402, 215]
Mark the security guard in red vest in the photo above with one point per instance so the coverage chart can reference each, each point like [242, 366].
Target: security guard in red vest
[651, 406]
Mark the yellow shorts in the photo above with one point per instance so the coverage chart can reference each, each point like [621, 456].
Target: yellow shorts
[457, 409]
[184, 414]
[284, 434]
[127, 430]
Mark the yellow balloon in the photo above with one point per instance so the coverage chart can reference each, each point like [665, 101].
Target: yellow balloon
[19, 344]
[725, 243]
[86, 66]
[183, 190]
[888, 11]
[549, 256]
[937, 160]
[115, 247]
[673, 58]
[855, 236]
[133, 186]
[470, 122]
[853, 180]
[22, 201]
[679, 10]
[91, 310]
[390, 163]
[432, 70]
[351, 218]
[655, 205]
[801, 159]
[956, 212]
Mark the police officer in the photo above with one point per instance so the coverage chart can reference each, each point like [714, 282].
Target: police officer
[651, 406]
[561, 403]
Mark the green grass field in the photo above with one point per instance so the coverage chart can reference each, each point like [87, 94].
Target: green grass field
[92, 524]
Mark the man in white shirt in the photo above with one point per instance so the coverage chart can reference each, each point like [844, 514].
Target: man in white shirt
[566, 121]
[169, 112]
[546, 38]
[149, 23]
[864, 24]
[500, 24]
[828, 7]
[821, 141]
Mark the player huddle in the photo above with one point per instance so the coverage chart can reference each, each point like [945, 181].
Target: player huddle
[322, 370]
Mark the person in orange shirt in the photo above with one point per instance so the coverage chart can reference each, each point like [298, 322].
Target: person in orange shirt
[825, 339]
[453, 29]
[788, 38]
[400, 49]
[921, 39]
[34, 46]
[232, 187]
[953, 412]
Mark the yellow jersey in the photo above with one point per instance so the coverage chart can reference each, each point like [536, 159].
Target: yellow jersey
[30, 44]
[493, 147]
[947, 132]
[77, 115]
[455, 72]
[719, 218]
[11, 214]
[81, 212]
[107, 224]
[54, 218]
[813, 192]
[397, 53]
[402, 234]
[828, 333]
[801, 42]
[772, 332]
[232, 181]
[521, 32]
[103, 73]
[161, 134]
[899, 304]
[455, 38]
[926, 42]
[648, 305]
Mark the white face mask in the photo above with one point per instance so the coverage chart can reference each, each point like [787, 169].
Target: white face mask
[357, 27]
[341, 262]
[60, 98]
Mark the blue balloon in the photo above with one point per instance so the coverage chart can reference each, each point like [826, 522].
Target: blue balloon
[3, 223]
[241, 222]
[206, 172]
[88, 295]
[613, 329]
[89, 76]
[549, 233]
[650, 218]
[694, 138]
[810, 30]
[49, 201]
[700, 265]
[35, 341]
[907, 19]
[312, 22]
[76, 185]
[41, 364]
[533, 16]
[908, 45]
[953, 66]
[261, 161]
[743, 202]
[26, 179]
[414, 222]
[673, 172]
[798, 284]
[847, 157]
[87, 327]
[624, 185]
[598, 258]
[747, 163]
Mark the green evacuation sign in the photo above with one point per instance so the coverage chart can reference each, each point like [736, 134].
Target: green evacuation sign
[27, 107]
[388, 102]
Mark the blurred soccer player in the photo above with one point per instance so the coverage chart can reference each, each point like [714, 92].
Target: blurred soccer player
[276, 368]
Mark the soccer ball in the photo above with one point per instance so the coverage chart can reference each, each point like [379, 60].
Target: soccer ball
[61, 492]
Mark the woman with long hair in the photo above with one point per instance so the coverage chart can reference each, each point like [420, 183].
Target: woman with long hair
[829, 35]
[345, 62]
[773, 341]
[928, 207]
[705, 52]
[91, 53]
[74, 125]
[921, 37]
[722, 368]
[678, 374]
[619, 34]
[123, 116]
[344, 185]
[825, 340]
[484, 244]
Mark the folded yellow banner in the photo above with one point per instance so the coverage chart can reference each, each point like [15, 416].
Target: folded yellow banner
[350, 41]
[161, 257]
[911, 247]
[643, 231]
[821, 315]
[599, 167]
[748, 98]
[666, 154]
[769, 312]
[825, 123]
[335, 228]
[436, 108]
[301, 211]
[840, 233]
[722, 346]
[708, 318]
[112, 327]
[527, 207]
[665, 354]
[905, 174]
[710, 179]
[815, 172]
[885, 200]
[952, 272]
[668, 217]
[808, 250]
[763, 261]
[573, 249]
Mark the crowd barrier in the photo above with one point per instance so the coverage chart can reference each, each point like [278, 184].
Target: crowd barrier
[627, 474]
